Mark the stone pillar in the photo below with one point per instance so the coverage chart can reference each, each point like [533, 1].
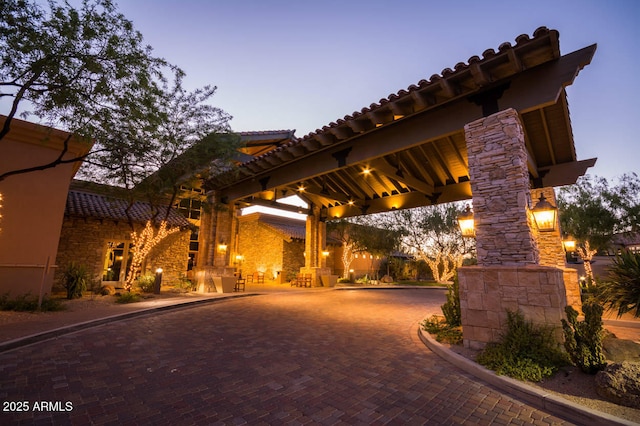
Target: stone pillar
[500, 187]
[509, 275]
[552, 251]
[315, 240]
[216, 228]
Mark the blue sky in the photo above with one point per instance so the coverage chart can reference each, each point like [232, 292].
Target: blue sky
[301, 64]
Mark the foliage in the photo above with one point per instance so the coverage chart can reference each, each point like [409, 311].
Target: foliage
[143, 243]
[127, 297]
[362, 235]
[75, 279]
[88, 71]
[451, 308]
[186, 284]
[444, 332]
[525, 351]
[622, 293]
[343, 280]
[146, 282]
[594, 209]
[29, 303]
[583, 339]
[433, 236]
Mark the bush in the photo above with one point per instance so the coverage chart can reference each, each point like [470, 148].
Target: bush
[28, 303]
[127, 297]
[146, 283]
[623, 292]
[343, 280]
[443, 332]
[525, 351]
[451, 309]
[75, 279]
[583, 340]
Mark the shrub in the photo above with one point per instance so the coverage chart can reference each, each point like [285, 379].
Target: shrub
[146, 283]
[75, 279]
[451, 308]
[443, 332]
[127, 297]
[28, 303]
[343, 280]
[583, 340]
[622, 293]
[525, 351]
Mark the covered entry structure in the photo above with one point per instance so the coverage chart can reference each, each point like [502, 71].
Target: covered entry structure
[495, 129]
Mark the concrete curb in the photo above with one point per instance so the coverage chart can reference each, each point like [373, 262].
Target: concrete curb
[548, 402]
[68, 329]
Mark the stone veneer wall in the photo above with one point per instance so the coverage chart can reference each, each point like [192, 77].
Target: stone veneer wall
[83, 241]
[500, 187]
[261, 248]
[519, 268]
[486, 293]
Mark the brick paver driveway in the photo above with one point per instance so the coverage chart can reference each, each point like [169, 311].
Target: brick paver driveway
[312, 357]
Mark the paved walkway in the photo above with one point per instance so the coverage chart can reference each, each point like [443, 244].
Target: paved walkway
[307, 356]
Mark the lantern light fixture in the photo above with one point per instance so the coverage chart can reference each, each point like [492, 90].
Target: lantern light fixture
[466, 223]
[569, 244]
[544, 214]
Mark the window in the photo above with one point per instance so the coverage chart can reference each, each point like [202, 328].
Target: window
[115, 266]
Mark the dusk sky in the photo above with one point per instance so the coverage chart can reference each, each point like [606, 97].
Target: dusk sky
[295, 64]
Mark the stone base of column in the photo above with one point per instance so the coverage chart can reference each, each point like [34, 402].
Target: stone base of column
[488, 292]
[572, 288]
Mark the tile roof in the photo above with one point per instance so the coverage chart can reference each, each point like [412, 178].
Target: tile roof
[528, 52]
[87, 204]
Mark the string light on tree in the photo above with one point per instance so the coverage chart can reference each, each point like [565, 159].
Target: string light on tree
[143, 243]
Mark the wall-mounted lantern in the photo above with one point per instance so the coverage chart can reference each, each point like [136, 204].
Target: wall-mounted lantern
[222, 247]
[466, 223]
[544, 214]
[325, 253]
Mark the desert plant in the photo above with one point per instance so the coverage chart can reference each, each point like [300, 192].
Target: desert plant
[75, 279]
[29, 303]
[525, 351]
[622, 293]
[146, 282]
[127, 297]
[451, 308]
[442, 331]
[583, 339]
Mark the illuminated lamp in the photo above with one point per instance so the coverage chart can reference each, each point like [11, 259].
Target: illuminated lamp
[544, 214]
[222, 247]
[466, 223]
[569, 244]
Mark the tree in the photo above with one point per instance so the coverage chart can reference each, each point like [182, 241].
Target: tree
[87, 71]
[362, 235]
[593, 211]
[432, 234]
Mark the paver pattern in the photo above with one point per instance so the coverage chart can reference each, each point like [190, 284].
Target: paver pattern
[318, 357]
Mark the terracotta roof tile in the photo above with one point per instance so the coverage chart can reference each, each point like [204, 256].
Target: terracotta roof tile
[86, 204]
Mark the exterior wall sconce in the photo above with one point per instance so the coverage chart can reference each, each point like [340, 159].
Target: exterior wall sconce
[325, 253]
[466, 223]
[544, 214]
[222, 247]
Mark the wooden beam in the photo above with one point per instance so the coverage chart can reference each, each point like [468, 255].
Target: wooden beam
[385, 168]
[527, 91]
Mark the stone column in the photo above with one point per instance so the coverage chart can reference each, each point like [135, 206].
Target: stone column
[500, 188]
[509, 275]
[215, 228]
[316, 231]
[552, 251]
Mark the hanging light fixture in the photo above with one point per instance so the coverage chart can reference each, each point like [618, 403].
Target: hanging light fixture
[544, 214]
[466, 223]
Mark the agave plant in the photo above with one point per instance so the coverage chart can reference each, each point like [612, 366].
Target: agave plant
[622, 293]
